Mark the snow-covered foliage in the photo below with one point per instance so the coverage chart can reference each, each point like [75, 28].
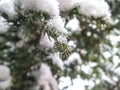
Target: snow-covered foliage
[48, 6]
[47, 42]
[45, 34]
[96, 8]
[62, 39]
[7, 6]
[67, 4]
[57, 23]
[56, 60]
[45, 79]
[74, 58]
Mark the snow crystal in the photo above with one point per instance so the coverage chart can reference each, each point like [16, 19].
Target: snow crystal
[5, 78]
[3, 25]
[58, 24]
[50, 6]
[44, 78]
[72, 58]
[47, 42]
[56, 60]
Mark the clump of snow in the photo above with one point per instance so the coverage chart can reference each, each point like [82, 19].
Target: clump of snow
[50, 6]
[62, 39]
[107, 54]
[47, 42]
[93, 64]
[44, 78]
[57, 23]
[64, 82]
[3, 25]
[114, 39]
[5, 84]
[26, 4]
[66, 5]
[4, 73]
[108, 79]
[73, 25]
[76, 84]
[87, 69]
[7, 6]
[74, 57]
[56, 60]
[5, 77]
[96, 8]
[72, 44]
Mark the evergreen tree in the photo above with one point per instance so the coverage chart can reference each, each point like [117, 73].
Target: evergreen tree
[44, 40]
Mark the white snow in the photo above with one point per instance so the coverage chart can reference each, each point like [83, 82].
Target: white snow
[114, 39]
[77, 84]
[47, 42]
[44, 78]
[96, 8]
[57, 23]
[5, 84]
[4, 73]
[3, 25]
[62, 39]
[56, 60]
[87, 69]
[50, 6]
[107, 54]
[72, 44]
[64, 82]
[108, 79]
[5, 77]
[8, 7]
[66, 5]
[74, 57]
[73, 25]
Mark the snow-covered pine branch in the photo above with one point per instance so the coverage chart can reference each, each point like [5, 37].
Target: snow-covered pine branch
[57, 35]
